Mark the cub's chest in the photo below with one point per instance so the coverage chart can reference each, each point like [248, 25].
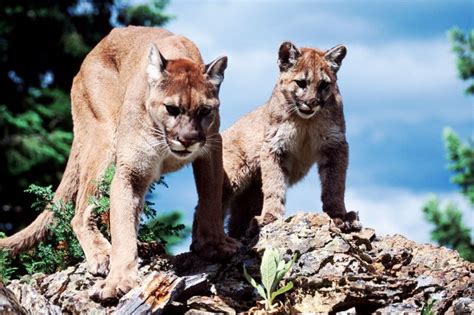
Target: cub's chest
[290, 139]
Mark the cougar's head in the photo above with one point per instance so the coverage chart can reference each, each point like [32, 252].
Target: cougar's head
[308, 77]
[183, 103]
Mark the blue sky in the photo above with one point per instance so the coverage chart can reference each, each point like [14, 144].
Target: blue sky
[398, 81]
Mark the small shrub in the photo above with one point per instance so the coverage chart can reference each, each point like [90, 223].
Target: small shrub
[6, 268]
[163, 229]
[61, 248]
[272, 269]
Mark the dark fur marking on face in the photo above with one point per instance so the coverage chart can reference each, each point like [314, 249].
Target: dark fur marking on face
[185, 75]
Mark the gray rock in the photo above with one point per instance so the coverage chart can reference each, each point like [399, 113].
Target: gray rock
[334, 272]
[8, 302]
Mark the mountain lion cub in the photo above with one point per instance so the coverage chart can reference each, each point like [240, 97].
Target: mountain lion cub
[144, 100]
[275, 146]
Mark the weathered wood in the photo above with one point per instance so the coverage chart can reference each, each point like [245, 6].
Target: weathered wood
[156, 292]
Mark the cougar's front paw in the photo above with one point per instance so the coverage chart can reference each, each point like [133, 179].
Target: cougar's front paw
[99, 264]
[217, 248]
[110, 290]
[260, 221]
[349, 222]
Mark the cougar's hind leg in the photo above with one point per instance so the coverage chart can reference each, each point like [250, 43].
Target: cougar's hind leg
[95, 155]
[95, 246]
[243, 208]
[95, 113]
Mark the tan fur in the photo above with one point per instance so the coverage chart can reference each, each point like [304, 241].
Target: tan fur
[273, 147]
[122, 103]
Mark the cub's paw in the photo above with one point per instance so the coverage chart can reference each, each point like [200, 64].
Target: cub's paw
[216, 249]
[99, 264]
[349, 222]
[110, 290]
[260, 221]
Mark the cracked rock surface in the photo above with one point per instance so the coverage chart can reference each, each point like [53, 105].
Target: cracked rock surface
[333, 272]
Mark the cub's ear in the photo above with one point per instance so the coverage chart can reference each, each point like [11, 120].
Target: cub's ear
[156, 65]
[288, 54]
[215, 70]
[334, 57]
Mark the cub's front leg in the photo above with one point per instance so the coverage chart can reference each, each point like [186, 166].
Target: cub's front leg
[332, 172]
[274, 186]
[126, 201]
[209, 239]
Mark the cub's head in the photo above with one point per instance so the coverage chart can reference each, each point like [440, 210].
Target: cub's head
[183, 103]
[308, 77]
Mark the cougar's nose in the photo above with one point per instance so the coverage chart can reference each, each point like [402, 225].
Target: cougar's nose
[189, 138]
[313, 102]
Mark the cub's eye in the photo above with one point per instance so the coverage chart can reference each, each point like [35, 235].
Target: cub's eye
[301, 83]
[173, 110]
[205, 111]
[323, 85]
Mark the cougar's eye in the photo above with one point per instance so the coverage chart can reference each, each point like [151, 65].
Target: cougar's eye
[173, 110]
[206, 110]
[301, 83]
[323, 85]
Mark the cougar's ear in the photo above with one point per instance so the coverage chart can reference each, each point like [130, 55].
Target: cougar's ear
[156, 65]
[334, 57]
[288, 54]
[215, 70]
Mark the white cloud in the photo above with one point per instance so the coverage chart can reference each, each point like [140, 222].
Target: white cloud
[402, 66]
[407, 81]
[257, 24]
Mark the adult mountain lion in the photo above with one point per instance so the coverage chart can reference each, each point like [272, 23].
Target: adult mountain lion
[275, 146]
[144, 100]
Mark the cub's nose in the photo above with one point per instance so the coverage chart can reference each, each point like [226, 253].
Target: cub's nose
[190, 138]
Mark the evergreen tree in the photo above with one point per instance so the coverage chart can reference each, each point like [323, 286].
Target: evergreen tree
[463, 46]
[42, 45]
[449, 228]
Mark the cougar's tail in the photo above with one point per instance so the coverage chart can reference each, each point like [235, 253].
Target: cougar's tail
[38, 229]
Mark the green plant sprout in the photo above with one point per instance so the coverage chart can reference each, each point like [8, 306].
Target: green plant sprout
[272, 269]
[428, 308]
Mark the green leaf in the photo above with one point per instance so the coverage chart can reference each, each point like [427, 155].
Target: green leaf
[268, 268]
[281, 290]
[254, 283]
[261, 291]
[281, 265]
[428, 308]
[283, 268]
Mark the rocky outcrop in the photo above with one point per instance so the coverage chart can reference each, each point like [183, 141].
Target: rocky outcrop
[334, 272]
[8, 302]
